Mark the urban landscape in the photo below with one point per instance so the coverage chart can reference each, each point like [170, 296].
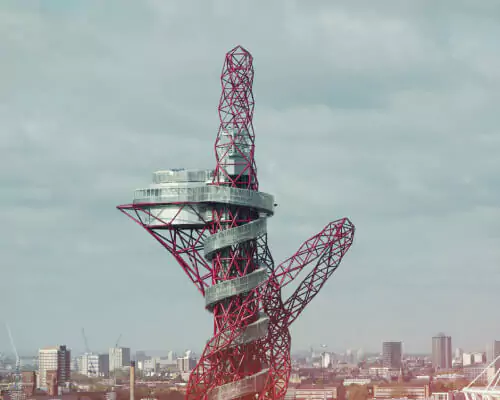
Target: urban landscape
[445, 373]
[218, 274]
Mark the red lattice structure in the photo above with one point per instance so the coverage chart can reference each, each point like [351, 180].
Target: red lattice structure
[214, 224]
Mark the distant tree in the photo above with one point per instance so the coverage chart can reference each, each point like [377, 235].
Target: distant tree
[83, 379]
[457, 384]
[357, 392]
[438, 386]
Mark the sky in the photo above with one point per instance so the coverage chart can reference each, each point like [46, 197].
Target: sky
[385, 112]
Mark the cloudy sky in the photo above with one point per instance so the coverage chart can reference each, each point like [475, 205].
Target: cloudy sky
[385, 112]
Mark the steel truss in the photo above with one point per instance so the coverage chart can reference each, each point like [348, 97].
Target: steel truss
[228, 259]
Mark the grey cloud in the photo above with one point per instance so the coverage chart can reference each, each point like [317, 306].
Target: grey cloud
[386, 114]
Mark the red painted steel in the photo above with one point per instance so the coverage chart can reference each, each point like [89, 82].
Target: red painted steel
[224, 361]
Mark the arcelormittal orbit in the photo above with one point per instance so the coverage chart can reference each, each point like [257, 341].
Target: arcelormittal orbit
[214, 224]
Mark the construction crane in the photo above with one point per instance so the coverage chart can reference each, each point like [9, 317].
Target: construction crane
[17, 391]
[90, 366]
[118, 341]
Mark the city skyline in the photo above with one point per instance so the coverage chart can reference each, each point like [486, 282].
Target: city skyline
[178, 349]
[384, 114]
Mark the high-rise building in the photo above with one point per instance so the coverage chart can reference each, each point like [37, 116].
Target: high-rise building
[89, 365]
[119, 357]
[392, 353]
[104, 364]
[493, 352]
[361, 355]
[441, 351]
[93, 365]
[186, 363]
[350, 357]
[171, 356]
[467, 359]
[326, 360]
[56, 359]
[473, 358]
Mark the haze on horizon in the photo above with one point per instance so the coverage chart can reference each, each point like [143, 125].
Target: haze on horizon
[387, 114]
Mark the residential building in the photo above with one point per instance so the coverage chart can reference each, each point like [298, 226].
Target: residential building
[57, 359]
[186, 363]
[419, 392]
[171, 357]
[119, 357]
[326, 360]
[484, 375]
[28, 379]
[473, 358]
[93, 365]
[493, 352]
[478, 358]
[89, 364]
[467, 359]
[455, 395]
[441, 351]
[392, 353]
[356, 381]
[104, 365]
[316, 392]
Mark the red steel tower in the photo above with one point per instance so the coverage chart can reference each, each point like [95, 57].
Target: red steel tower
[214, 224]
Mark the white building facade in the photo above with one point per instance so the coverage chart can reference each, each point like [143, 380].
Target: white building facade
[89, 365]
[119, 357]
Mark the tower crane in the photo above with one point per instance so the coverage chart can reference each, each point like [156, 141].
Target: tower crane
[90, 366]
[16, 392]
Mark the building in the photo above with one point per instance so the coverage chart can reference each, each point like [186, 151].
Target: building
[473, 358]
[483, 374]
[119, 357]
[326, 360]
[401, 391]
[57, 359]
[376, 372]
[93, 365]
[357, 381]
[392, 353]
[493, 352]
[456, 395]
[171, 357]
[52, 383]
[441, 351]
[467, 359]
[316, 392]
[89, 365]
[478, 358]
[104, 365]
[187, 363]
[360, 355]
[350, 357]
[151, 365]
[28, 379]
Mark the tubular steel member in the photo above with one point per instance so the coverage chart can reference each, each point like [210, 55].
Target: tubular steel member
[214, 224]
